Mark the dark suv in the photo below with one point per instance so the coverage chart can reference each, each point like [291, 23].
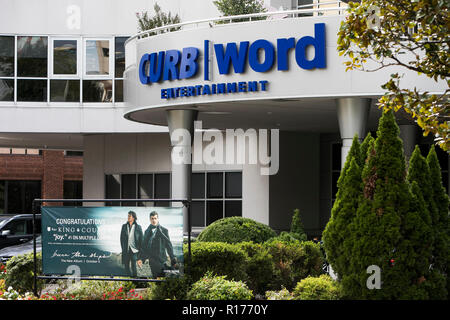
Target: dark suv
[17, 229]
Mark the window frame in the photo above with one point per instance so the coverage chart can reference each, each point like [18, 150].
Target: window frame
[110, 75]
[75, 76]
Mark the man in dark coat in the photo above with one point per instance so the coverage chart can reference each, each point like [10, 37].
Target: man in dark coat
[156, 246]
[131, 241]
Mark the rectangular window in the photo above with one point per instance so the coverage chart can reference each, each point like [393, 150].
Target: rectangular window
[64, 90]
[73, 190]
[119, 56]
[20, 196]
[32, 56]
[162, 188]
[65, 57]
[198, 213]
[97, 90]
[6, 89]
[118, 93]
[6, 56]
[214, 211]
[214, 184]
[128, 189]
[233, 185]
[227, 196]
[112, 188]
[145, 189]
[32, 90]
[97, 62]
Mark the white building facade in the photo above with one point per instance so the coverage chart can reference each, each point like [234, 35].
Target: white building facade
[73, 76]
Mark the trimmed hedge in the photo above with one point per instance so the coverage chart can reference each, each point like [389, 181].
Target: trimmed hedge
[217, 257]
[212, 287]
[236, 229]
[317, 288]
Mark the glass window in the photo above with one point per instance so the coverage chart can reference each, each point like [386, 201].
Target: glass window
[21, 195]
[214, 211]
[129, 189]
[162, 188]
[73, 190]
[233, 208]
[65, 57]
[336, 156]
[64, 90]
[32, 90]
[118, 93]
[119, 58]
[32, 56]
[6, 90]
[215, 184]
[6, 56]
[97, 57]
[17, 227]
[97, 90]
[198, 213]
[112, 188]
[198, 186]
[145, 188]
[233, 185]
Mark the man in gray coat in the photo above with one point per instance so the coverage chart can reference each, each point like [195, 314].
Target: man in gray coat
[131, 240]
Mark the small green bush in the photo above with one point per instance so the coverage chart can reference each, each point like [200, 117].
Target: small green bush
[293, 261]
[212, 287]
[173, 288]
[259, 266]
[317, 288]
[20, 273]
[282, 294]
[218, 257]
[236, 229]
[97, 290]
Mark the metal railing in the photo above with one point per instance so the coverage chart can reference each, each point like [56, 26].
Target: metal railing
[211, 22]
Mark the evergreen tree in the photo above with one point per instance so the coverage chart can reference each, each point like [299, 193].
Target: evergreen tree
[365, 145]
[337, 236]
[297, 226]
[440, 221]
[343, 211]
[377, 227]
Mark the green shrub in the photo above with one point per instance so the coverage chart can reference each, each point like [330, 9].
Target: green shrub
[293, 261]
[212, 287]
[20, 274]
[282, 294]
[97, 290]
[258, 266]
[297, 230]
[236, 229]
[317, 288]
[218, 257]
[172, 288]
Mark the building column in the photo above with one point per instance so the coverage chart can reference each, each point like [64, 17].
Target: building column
[408, 133]
[181, 130]
[352, 116]
[53, 177]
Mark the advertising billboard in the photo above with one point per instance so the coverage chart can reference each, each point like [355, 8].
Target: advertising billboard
[137, 242]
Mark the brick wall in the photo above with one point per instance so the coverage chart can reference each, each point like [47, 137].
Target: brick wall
[52, 168]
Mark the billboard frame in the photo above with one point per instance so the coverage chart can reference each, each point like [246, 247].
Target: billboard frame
[185, 202]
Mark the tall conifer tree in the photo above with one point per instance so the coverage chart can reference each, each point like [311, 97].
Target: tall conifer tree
[377, 226]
